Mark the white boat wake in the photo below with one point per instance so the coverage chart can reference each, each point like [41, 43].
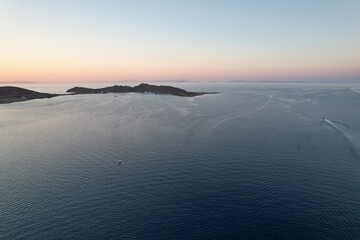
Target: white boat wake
[239, 115]
[331, 123]
[351, 135]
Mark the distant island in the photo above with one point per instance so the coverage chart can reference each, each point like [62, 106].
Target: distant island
[11, 94]
[142, 88]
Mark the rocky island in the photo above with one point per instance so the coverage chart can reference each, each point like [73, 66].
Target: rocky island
[10, 94]
[16, 94]
[142, 88]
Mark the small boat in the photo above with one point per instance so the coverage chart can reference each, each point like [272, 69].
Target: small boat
[119, 162]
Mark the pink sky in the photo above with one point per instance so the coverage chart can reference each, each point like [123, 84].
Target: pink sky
[55, 41]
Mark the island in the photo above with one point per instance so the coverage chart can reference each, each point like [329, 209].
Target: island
[142, 88]
[11, 94]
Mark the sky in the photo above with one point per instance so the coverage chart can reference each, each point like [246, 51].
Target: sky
[150, 40]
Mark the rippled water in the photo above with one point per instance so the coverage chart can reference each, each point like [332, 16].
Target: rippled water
[254, 162]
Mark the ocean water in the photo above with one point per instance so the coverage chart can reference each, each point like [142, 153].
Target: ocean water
[256, 161]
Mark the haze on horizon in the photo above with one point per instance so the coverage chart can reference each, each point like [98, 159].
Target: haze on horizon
[224, 40]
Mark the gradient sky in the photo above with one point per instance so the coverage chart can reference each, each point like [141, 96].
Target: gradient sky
[74, 40]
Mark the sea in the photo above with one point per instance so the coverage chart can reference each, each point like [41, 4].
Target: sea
[255, 161]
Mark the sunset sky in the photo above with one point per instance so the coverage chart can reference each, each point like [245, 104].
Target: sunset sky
[282, 40]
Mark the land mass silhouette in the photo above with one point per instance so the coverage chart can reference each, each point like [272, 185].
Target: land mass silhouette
[142, 88]
[11, 94]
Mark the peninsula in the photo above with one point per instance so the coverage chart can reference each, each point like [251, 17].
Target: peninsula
[10, 94]
[15, 94]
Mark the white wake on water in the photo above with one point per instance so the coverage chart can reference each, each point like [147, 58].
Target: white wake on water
[351, 135]
[331, 123]
[241, 114]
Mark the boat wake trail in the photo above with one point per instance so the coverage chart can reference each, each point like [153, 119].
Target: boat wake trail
[331, 123]
[239, 115]
[341, 124]
[350, 134]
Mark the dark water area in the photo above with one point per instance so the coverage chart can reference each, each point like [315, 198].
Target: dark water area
[256, 161]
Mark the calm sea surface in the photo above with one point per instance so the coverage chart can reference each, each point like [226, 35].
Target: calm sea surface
[256, 161]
